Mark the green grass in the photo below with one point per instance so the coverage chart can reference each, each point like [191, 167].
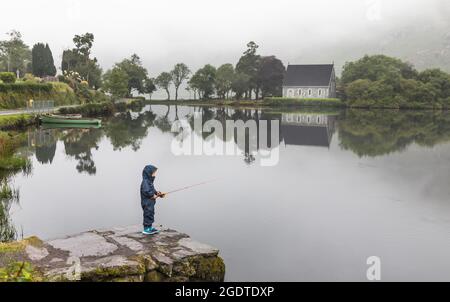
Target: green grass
[267, 102]
[103, 108]
[281, 101]
[91, 110]
[13, 163]
[16, 121]
[8, 146]
[13, 96]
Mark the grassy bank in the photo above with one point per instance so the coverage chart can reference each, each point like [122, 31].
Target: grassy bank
[102, 109]
[16, 95]
[16, 121]
[9, 162]
[267, 102]
[280, 102]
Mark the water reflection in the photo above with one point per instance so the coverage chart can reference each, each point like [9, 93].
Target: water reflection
[366, 133]
[128, 129]
[308, 129]
[390, 197]
[8, 196]
[377, 132]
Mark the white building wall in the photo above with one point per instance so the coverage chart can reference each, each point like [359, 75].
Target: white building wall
[306, 92]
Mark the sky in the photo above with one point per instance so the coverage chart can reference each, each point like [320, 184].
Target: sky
[198, 32]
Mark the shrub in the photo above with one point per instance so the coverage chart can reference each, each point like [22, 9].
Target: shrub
[7, 77]
[16, 95]
[93, 109]
[26, 87]
[16, 121]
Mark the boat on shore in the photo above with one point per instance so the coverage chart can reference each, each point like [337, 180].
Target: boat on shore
[71, 119]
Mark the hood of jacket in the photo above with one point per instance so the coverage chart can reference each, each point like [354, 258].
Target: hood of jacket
[147, 173]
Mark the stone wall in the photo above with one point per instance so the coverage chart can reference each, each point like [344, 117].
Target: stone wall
[119, 254]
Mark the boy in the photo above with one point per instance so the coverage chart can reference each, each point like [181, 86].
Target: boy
[148, 198]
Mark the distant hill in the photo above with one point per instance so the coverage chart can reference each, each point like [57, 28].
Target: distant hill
[424, 46]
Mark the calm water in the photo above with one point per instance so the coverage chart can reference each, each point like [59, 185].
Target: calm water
[348, 185]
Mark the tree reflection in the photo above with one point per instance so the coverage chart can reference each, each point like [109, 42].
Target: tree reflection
[379, 132]
[128, 129]
[79, 144]
[250, 143]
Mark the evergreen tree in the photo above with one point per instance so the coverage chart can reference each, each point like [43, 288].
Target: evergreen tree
[42, 61]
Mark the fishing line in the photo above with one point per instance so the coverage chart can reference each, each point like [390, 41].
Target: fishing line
[191, 186]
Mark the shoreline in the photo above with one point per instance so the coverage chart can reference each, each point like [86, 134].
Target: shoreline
[17, 121]
[337, 104]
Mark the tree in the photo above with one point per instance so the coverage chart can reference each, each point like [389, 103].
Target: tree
[42, 61]
[270, 76]
[83, 44]
[115, 81]
[79, 60]
[378, 67]
[179, 73]
[438, 79]
[381, 81]
[136, 73]
[204, 80]
[249, 64]
[149, 86]
[15, 55]
[163, 81]
[193, 85]
[240, 84]
[224, 80]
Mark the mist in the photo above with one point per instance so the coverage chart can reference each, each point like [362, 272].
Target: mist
[198, 32]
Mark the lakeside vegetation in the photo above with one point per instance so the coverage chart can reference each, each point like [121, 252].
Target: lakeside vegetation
[277, 102]
[10, 163]
[104, 109]
[36, 72]
[16, 121]
[376, 81]
[383, 82]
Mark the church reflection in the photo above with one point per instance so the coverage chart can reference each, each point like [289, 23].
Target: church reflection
[307, 129]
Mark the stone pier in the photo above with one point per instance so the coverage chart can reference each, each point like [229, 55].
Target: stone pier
[118, 254]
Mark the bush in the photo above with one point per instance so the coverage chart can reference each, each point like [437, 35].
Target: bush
[8, 146]
[25, 87]
[7, 77]
[17, 121]
[17, 95]
[94, 109]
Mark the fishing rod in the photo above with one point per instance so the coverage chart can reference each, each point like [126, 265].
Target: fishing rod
[188, 187]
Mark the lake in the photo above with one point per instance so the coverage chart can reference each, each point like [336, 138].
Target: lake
[347, 185]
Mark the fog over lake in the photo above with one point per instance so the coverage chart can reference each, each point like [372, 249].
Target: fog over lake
[198, 32]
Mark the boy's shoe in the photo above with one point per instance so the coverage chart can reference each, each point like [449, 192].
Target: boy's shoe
[150, 231]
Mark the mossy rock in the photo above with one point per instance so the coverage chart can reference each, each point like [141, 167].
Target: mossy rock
[155, 276]
[114, 269]
[209, 268]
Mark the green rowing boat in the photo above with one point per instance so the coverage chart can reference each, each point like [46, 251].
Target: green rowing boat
[69, 119]
[70, 126]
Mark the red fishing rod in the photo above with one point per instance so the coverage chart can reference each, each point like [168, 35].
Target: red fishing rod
[188, 187]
